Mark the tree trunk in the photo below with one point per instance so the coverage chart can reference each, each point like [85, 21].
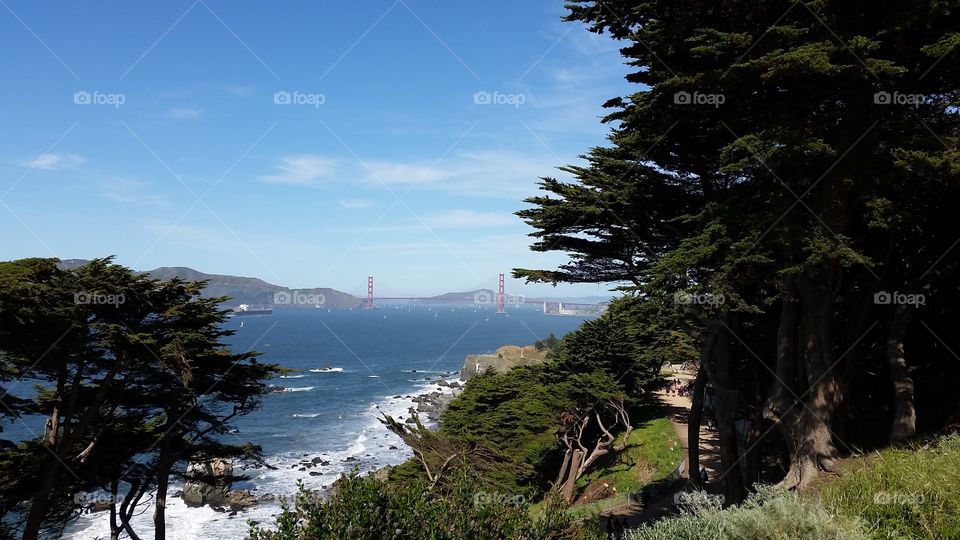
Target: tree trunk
[782, 393]
[563, 468]
[904, 415]
[752, 456]
[808, 432]
[160, 504]
[571, 483]
[696, 408]
[693, 428]
[129, 504]
[115, 527]
[726, 411]
[40, 502]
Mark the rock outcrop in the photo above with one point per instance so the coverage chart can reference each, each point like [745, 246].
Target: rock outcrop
[209, 483]
[502, 360]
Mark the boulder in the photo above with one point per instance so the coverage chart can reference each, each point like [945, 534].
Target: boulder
[209, 483]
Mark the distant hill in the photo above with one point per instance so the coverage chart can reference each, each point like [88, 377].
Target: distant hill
[247, 290]
[487, 296]
[478, 296]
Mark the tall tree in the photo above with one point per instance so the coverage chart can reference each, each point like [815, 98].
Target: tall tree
[133, 378]
[774, 141]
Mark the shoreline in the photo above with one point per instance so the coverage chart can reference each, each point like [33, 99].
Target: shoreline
[372, 450]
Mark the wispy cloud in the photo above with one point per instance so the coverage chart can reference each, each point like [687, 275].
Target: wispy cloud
[182, 113]
[355, 204]
[469, 218]
[406, 173]
[242, 91]
[53, 162]
[480, 173]
[303, 169]
[129, 191]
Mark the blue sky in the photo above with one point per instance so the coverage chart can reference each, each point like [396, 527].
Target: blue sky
[306, 143]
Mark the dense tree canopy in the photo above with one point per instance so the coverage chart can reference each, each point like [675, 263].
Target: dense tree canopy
[133, 378]
[788, 171]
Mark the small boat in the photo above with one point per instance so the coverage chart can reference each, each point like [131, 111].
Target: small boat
[327, 369]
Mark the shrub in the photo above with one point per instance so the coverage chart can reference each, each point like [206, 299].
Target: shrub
[768, 514]
[366, 508]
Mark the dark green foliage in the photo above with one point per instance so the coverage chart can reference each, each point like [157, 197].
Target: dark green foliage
[365, 508]
[630, 342]
[132, 375]
[547, 344]
[793, 159]
[519, 413]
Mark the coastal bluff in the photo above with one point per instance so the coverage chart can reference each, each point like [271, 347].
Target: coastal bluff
[501, 360]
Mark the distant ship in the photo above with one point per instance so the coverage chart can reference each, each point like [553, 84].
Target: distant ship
[245, 309]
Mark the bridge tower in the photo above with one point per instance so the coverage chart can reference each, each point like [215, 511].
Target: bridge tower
[369, 292]
[501, 298]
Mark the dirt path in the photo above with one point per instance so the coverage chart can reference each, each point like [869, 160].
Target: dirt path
[677, 408]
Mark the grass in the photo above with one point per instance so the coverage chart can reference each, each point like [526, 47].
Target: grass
[911, 493]
[652, 452]
[901, 492]
[768, 514]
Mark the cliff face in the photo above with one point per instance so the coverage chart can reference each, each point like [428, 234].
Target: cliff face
[502, 360]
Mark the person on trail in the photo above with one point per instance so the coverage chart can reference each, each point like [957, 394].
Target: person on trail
[703, 476]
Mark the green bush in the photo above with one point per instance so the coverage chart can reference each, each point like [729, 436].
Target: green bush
[902, 493]
[366, 508]
[768, 514]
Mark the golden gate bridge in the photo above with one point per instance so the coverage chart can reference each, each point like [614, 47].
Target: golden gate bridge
[502, 300]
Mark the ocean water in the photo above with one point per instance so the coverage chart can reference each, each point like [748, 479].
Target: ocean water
[397, 350]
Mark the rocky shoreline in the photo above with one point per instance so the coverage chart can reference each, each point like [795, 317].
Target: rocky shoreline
[430, 405]
[427, 406]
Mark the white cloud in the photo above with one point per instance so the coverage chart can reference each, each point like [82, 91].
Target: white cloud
[406, 173]
[355, 204]
[182, 113]
[480, 173]
[303, 169]
[129, 191]
[53, 162]
[469, 218]
[242, 91]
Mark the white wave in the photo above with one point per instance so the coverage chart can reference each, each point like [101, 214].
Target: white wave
[292, 376]
[311, 415]
[327, 370]
[299, 389]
